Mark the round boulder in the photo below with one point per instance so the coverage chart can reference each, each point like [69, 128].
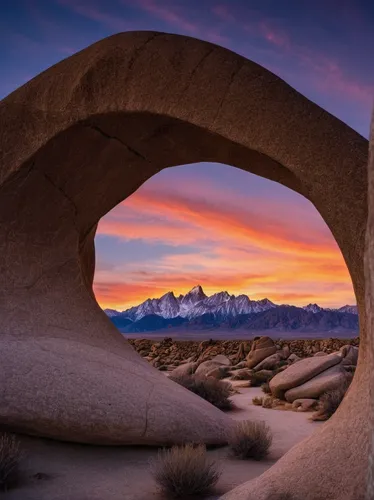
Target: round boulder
[300, 372]
[261, 349]
[328, 380]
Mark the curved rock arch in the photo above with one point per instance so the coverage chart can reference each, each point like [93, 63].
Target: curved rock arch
[81, 137]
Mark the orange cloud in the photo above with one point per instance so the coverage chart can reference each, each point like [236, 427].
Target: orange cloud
[231, 223]
[247, 251]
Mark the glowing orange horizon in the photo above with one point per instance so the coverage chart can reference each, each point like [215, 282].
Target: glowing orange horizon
[244, 251]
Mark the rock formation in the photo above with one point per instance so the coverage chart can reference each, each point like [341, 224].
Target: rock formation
[84, 135]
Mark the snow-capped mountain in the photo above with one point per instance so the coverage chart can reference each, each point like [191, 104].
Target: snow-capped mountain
[348, 309]
[314, 308]
[196, 310]
[195, 303]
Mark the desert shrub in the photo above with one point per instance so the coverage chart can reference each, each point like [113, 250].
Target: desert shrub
[242, 374]
[267, 402]
[259, 378]
[257, 401]
[266, 388]
[10, 457]
[185, 471]
[216, 392]
[250, 440]
[330, 401]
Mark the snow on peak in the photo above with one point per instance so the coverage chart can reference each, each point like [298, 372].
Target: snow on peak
[195, 303]
[314, 308]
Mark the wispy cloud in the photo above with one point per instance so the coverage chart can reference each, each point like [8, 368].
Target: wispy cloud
[254, 252]
[115, 22]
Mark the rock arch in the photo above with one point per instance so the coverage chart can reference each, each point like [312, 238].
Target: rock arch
[81, 137]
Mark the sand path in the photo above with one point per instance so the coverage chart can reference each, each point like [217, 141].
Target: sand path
[80, 472]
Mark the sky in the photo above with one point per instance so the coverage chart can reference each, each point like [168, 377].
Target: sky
[213, 224]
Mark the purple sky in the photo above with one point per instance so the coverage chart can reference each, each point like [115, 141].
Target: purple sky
[324, 49]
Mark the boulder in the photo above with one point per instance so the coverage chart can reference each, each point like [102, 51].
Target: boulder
[320, 353]
[261, 349]
[293, 358]
[207, 366]
[239, 366]
[221, 358]
[350, 354]
[285, 351]
[270, 362]
[305, 404]
[328, 380]
[219, 372]
[185, 369]
[300, 372]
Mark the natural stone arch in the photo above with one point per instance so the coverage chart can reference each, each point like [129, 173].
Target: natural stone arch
[81, 137]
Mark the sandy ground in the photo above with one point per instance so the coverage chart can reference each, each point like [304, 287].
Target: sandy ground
[79, 472]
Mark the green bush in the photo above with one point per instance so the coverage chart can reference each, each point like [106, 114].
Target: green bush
[216, 392]
[185, 471]
[250, 440]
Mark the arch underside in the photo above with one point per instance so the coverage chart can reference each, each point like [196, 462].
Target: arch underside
[83, 136]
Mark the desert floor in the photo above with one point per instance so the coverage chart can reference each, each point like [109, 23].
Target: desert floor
[79, 472]
[239, 334]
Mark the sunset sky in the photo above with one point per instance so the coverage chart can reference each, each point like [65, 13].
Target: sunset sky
[212, 224]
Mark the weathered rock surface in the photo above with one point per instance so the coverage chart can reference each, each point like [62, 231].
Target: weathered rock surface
[212, 369]
[350, 355]
[270, 362]
[328, 380]
[222, 359]
[84, 135]
[298, 373]
[261, 349]
[184, 369]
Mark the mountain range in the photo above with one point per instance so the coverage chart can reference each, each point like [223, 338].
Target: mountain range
[196, 311]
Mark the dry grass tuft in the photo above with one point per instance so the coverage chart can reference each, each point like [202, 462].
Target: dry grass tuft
[216, 392]
[250, 440]
[330, 401]
[185, 471]
[259, 378]
[10, 457]
[257, 401]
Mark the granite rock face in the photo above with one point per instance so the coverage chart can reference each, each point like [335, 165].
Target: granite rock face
[260, 350]
[83, 136]
[301, 372]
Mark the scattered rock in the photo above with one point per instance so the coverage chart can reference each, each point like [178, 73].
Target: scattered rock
[261, 349]
[293, 358]
[270, 362]
[300, 372]
[350, 355]
[306, 404]
[221, 358]
[329, 379]
[186, 369]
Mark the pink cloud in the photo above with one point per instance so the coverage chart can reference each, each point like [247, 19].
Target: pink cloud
[168, 15]
[113, 22]
[223, 12]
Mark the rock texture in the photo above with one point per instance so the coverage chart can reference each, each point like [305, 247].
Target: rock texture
[301, 372]
[260, 350]
[328, 380]
[84, 135]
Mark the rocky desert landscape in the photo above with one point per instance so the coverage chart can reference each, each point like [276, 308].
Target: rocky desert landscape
[291, 386]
